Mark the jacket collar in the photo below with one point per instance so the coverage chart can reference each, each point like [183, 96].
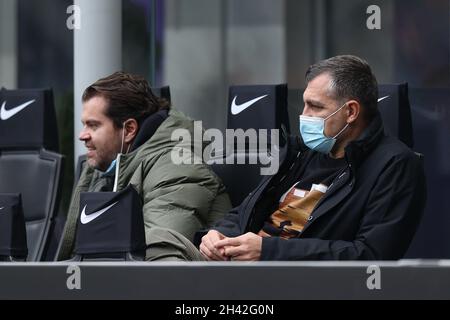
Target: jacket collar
[357, 150]
[149, 127]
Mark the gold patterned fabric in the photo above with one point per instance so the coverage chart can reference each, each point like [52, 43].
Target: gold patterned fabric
[293, 212]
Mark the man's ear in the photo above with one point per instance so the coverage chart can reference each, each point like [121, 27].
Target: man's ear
[353, 111]
[131, 128]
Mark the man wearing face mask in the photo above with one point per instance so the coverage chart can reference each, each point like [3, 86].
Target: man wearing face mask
[127, 132]
[344, 191]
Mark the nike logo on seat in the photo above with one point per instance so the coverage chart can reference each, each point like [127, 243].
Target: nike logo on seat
[6, 114]
[238, 108]
[381, 99]
[94, 215]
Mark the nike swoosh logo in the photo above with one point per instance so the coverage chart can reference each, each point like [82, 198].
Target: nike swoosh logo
[2, 208]
[94, 215]
[381, 99]
[238, 108]
[6, 114]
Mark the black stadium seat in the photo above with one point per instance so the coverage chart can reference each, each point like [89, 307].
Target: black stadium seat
[13, 237]
[29, 164]
[269, 111]
[162, 92]
[250, 107]
[116, 236]
[431, 123]
[393, 103]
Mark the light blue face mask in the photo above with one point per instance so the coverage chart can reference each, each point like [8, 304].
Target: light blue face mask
[312, 130]
[111, 167]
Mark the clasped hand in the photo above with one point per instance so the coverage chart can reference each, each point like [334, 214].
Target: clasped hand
[217, 247]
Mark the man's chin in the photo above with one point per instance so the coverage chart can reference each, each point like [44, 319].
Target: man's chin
[93, 163]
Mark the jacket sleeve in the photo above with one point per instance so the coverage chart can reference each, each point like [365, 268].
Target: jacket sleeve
[228, 225]
[392, 214]
[182, 197]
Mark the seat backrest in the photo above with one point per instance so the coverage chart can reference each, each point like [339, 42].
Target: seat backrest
[110, 226]
[27, 127]
[431, 122]
[257, 107]
[162, 92]
[13, 237]
[240, 172]
[28, 120]
[80, 163]
[393, 103]
[250, 107]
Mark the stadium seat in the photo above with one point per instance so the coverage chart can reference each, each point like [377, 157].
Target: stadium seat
[118, 235]
[393, 103]
[13, 237]
[251, 107]
[162, 92]
[29, 162]
[431, 119]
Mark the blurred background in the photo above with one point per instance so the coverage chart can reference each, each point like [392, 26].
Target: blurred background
[200, 47]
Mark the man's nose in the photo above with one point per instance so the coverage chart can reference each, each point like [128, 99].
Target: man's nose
[84, 135]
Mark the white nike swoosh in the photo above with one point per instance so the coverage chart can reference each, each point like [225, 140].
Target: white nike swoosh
[236, 109]
[2, 208]
[6, 114]
[94, 215]
[381, 99]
